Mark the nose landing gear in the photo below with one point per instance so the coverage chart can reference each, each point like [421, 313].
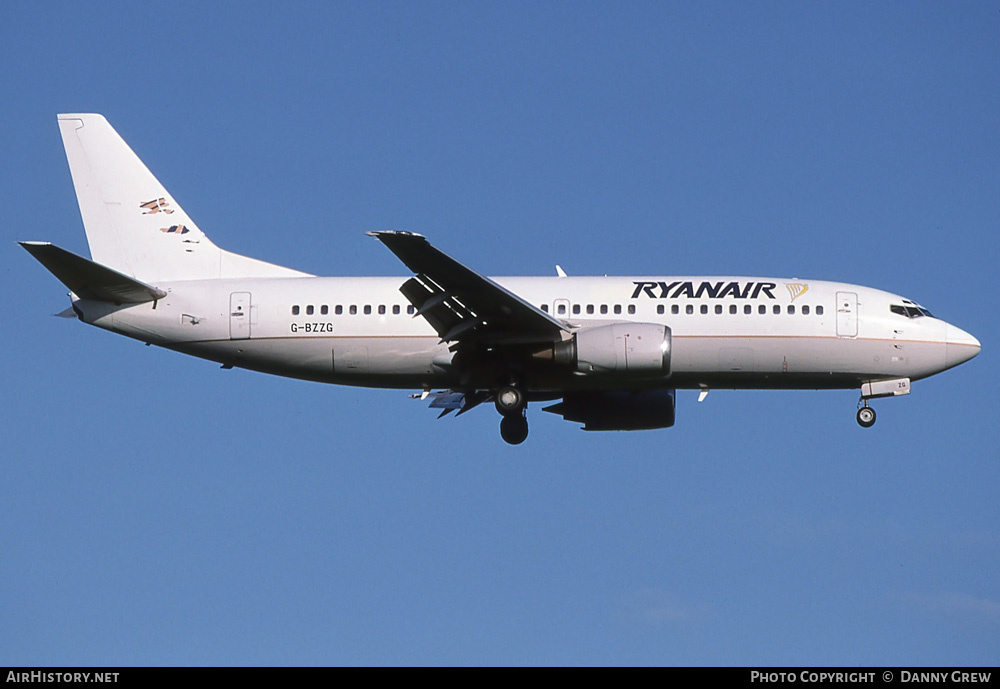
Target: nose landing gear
[879, 388]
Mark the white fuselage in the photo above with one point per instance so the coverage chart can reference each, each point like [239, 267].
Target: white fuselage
[735, 332]
[612, 349]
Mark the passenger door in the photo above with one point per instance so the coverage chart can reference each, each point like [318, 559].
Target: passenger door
[847, 314]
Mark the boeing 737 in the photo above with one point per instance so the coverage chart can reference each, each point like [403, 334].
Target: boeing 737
[607, 352]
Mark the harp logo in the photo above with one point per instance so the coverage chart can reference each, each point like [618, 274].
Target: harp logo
[160, 205]
[796, 289]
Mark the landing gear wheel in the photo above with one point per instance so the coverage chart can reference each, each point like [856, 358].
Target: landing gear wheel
[866, 417]
[514, 429]
[510, 401]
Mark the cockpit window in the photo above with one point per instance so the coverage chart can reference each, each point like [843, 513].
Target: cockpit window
[912, 311]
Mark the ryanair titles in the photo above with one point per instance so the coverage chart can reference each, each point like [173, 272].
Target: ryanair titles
[703, 290]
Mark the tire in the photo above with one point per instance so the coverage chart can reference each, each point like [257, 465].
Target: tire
[514, 429]
[510, 401]
[866, 417]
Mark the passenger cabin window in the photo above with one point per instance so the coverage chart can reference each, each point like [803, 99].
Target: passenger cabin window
[545, 308]
[590, 309]
[689, 309]
[368, 309]
[604, 309]
[309, 310]
[411, 309]
[675, 309]
[704, 309]
[295, 310]
[747, 309]
[732, 309]
[354, 310]
[618, 309]
[660, 309]
[576, 309]
[718, 309]
[395, 309]
[805, 310]
[324, 309]
[631, 308]
[561, 309]
[819, 310]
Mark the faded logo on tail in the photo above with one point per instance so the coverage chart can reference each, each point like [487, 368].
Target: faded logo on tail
[159, 205]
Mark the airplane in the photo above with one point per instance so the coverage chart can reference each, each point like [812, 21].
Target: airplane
[608, 352]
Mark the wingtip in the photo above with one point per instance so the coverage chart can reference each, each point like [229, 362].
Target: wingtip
[34, 247]
[378, 234]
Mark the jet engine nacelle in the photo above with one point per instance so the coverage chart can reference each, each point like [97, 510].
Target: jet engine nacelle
[618, 410]
[620, 348]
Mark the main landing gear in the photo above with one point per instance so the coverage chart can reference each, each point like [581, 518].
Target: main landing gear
[511, 403]
[866, 416]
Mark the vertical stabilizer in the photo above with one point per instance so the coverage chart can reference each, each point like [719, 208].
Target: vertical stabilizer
[133, 223]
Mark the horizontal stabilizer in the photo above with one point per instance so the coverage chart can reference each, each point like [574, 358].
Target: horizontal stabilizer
[89, 280]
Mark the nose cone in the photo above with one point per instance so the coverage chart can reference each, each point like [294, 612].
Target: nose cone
[960, 347]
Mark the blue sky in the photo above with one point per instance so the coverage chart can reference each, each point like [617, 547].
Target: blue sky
[158, 510]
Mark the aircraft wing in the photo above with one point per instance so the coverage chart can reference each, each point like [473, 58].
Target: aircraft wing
[462, 305]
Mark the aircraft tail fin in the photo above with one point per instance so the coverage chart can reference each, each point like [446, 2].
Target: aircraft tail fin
[89, 280]
[134, 226]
